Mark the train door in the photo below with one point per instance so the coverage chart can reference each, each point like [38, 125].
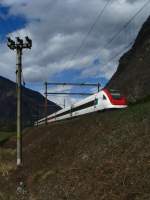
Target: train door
[98, 103]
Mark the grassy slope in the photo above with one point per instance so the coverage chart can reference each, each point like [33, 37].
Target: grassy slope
[4, 136]
[99, 156]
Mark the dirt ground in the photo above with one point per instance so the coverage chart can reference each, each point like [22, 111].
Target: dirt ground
[101, 156]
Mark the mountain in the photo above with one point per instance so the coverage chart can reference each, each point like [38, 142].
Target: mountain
[133, 74]
[32, 105]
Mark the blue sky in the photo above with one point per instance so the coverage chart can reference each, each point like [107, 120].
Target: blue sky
[57, 29]
[9, 23]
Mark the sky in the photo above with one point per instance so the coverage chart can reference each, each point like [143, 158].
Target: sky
[71, 40]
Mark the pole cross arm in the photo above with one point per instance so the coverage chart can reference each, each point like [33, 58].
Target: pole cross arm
[67, 93]
[19, 41]
[75, 84]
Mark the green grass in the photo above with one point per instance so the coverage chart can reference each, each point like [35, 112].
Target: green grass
[4, 136]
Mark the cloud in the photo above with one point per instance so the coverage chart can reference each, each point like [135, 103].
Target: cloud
[61, 100]
[57, 29]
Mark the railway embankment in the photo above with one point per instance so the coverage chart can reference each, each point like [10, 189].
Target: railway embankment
[103, 155]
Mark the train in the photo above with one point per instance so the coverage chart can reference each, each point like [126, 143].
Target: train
[103, 100]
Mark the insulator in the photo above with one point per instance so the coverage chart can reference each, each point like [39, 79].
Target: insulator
[10, 41]
[19, 41]
[29, 41]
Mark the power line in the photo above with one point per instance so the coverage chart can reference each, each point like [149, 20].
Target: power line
[114, 36]
[118, 33]
[126, 24]
[91, 28]
[116, 55]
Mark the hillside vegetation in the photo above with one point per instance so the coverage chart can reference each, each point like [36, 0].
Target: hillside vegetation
[101, 156]
[32, 105]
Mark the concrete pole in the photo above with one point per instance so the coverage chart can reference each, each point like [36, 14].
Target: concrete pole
[19, 125]
[19, 45]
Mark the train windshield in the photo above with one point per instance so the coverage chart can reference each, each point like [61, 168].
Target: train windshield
[115, 94]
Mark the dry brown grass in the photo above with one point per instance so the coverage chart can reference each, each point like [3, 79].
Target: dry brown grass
[102, 156]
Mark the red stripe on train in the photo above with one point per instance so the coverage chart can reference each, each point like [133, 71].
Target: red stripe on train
[121, 101]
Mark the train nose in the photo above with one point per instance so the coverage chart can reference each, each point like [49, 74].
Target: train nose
[121, 101]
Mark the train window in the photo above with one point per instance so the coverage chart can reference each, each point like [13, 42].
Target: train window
[104, 97]
[96, 101]
[115, 94]
[83, 106]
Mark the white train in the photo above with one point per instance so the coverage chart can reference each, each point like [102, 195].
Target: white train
[105, 99]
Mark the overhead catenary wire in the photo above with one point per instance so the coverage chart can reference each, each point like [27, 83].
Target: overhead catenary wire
[127, 24]
[115, 35]
[97, 18]
[120, 52]
[91, 29]
[118, 33]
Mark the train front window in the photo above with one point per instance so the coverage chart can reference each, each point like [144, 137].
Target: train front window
[115, 94]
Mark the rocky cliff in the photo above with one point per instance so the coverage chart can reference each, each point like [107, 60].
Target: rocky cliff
[133, 74]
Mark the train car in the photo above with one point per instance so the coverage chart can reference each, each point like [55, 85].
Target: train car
[105, 99]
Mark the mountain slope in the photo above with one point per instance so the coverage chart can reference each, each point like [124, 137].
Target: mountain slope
[102, 155]
[32, 104]
[133, 74]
